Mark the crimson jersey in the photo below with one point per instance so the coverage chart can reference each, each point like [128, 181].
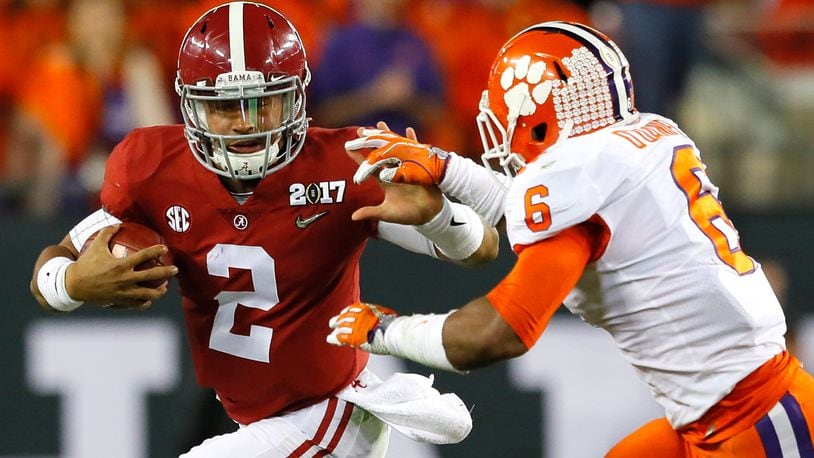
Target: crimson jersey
[260, 280]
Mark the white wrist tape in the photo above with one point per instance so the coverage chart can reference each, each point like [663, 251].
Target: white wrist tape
[456, 230]
[475, 186]
[51, 282]
[419, 338]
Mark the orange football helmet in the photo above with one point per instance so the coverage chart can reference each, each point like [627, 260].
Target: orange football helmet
[551, 81]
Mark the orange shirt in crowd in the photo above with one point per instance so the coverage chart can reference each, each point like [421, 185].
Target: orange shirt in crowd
[65, 101]
[18, 46]
[465, 36]
[154, 24]
[785, 35]
[460, 33]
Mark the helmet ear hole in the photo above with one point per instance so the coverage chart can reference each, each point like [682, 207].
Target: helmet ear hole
[538, 132]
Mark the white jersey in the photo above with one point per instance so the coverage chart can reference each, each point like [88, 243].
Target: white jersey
[688, 309]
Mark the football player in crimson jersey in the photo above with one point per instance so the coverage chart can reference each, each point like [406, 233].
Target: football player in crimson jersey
[592, 181]
[258, 222]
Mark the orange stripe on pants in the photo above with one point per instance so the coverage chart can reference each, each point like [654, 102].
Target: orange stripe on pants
[734, 418]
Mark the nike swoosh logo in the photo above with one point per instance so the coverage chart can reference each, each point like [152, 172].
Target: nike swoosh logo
[302, 223]
[452, 222]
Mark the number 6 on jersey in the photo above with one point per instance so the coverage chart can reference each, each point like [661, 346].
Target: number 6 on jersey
[706, 211]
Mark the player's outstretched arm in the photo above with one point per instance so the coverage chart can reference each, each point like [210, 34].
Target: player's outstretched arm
[397, 159]
[469, 338]
[63, 280]
[455, 231]
[501, 325]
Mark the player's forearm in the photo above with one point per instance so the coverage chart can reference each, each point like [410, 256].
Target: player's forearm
[459, 234]
[487, 251]
[476, 336]
[476, 187]
[472, 337]
[456, 233]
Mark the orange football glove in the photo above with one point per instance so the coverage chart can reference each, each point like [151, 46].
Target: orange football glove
[399, 159]
[361, 325]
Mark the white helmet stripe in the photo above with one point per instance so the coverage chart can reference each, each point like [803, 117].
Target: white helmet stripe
[620, 88]
[236, 48]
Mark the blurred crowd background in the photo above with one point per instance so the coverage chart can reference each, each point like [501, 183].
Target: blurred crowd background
[77, 75]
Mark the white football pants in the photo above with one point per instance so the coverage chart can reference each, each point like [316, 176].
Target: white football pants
[332, 428]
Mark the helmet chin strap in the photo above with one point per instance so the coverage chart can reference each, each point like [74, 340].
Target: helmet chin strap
[513, 161]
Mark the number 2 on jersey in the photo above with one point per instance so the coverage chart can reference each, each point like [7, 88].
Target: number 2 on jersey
[257, 345]
[706, 211]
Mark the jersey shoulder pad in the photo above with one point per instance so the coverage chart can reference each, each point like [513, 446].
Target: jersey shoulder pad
[547, 197]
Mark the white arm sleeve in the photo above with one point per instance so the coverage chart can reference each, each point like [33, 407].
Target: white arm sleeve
[419, 338]
[476, 187]
[92, 224]
[406, 237]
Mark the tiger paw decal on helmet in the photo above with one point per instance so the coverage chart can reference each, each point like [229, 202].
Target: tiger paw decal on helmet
[524, 86]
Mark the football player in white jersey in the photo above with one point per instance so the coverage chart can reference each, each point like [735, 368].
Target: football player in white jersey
[583, 178]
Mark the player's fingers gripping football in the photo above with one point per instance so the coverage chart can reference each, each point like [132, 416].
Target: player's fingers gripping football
[144, 268]
[109, 283]
[153, 276]
[99, 277]
[398, 159]
[361, 325]
[100, 244]
[142, 256]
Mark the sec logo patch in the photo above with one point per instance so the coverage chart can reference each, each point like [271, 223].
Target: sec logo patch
[178, 218]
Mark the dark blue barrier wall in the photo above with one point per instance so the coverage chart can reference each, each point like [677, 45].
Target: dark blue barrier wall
[507, 421]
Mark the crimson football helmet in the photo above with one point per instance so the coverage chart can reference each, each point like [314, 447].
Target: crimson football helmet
[242, 73]
[551, 81]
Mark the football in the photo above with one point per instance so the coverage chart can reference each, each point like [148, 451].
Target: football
[131, 238]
